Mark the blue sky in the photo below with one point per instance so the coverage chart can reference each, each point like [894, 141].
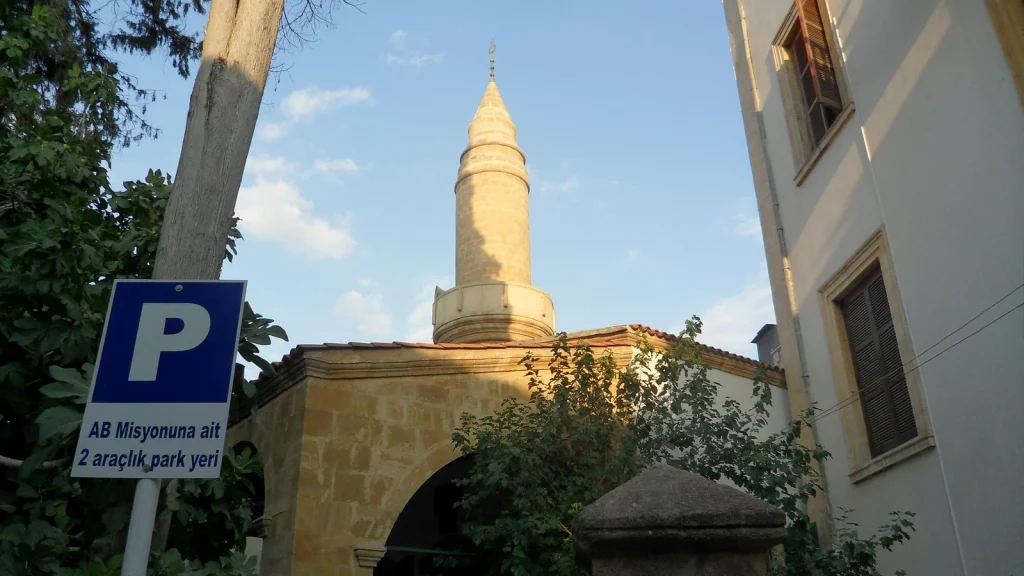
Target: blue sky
[642, 205]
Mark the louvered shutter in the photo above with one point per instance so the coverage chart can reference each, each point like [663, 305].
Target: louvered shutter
[881, 379]
[823, 73]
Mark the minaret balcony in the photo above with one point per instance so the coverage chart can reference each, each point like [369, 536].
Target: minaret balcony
[492, 312]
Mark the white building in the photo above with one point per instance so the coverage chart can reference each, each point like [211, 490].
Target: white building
[886, 142]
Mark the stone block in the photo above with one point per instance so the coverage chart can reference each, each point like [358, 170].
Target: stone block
[432, 394]
[360, 458]
[318, 423]
[340, 401]
[339, 518]
[425, 416]
[399, 442]
[671, 522]
[392, 410]
[357, 428]
[379, 488]
[349, 487]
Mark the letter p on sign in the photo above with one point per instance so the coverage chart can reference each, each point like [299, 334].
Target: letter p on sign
[151, 341]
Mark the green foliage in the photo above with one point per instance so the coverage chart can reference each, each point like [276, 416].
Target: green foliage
[81, 48]
[589, 426]
[65, 236]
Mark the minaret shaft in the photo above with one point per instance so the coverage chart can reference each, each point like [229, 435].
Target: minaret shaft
[492, 218]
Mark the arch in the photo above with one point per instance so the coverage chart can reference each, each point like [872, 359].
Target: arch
[428, 525]
[437, 458]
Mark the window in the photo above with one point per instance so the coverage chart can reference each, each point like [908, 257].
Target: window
[878, 388]
[816, 75]
[811, 84]
[881, 381]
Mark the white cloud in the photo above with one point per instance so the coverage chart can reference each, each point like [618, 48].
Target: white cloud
[273, 208]
[367, 312]
[632, 255]
[747, 226]
[398, 38]
[270, 131]
[570, 184]
[304, 104]
[408, 57]
[336, 165]
[417, 60]
[733, 321]
[301, 105]
[266, 165]
[418, 325]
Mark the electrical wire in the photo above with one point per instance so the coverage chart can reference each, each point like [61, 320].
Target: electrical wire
[856, 395]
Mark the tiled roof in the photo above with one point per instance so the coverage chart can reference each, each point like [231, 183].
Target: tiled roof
[599, 338]
[727, 354]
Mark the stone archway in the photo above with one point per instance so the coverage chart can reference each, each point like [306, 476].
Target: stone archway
[428, 526]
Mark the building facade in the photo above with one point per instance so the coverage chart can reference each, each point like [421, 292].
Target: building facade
[886, 142]
[356, 438]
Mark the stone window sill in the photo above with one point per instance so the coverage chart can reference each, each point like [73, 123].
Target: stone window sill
[819, 150]
[892, 458]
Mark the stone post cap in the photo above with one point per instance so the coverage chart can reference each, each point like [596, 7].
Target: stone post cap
[665, 509]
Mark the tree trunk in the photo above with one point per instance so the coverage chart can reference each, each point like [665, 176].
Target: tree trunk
[225, 104]
[237, 51]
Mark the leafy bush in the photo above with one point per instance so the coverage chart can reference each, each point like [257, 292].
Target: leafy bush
[589, 426]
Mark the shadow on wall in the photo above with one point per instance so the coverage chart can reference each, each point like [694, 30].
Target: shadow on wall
[479, 221]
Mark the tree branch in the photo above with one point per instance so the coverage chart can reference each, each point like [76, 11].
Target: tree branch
[15, 463]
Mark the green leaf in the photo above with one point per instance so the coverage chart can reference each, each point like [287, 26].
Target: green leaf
[26, 491]
[67, 375]
[36, 459]
[116, 518]
[58, 420]
[277, 332]
[65, 390]
[259, 339]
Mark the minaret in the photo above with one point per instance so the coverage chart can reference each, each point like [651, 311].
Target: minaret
[492, 300]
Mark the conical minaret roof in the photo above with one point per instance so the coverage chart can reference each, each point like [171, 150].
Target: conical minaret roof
[492, 142]
[492, 124]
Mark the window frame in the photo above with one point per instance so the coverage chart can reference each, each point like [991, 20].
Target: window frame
[872, 256]
[805, 151]
[1007, 18]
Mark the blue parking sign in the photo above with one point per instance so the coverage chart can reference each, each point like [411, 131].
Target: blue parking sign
[161, 389]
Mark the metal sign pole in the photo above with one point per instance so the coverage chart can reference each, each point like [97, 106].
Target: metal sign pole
[140, 528]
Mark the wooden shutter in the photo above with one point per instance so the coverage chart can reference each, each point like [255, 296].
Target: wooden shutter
[826, 87]
[881, 380]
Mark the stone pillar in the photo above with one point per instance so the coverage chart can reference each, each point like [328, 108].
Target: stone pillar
[668, 522]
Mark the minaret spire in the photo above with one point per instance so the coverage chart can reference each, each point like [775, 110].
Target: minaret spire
[493, 299]
[491, 52]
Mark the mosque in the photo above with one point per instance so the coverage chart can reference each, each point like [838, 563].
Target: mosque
[356, 438]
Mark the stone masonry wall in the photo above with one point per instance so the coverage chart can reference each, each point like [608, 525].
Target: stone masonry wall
[276, 431]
